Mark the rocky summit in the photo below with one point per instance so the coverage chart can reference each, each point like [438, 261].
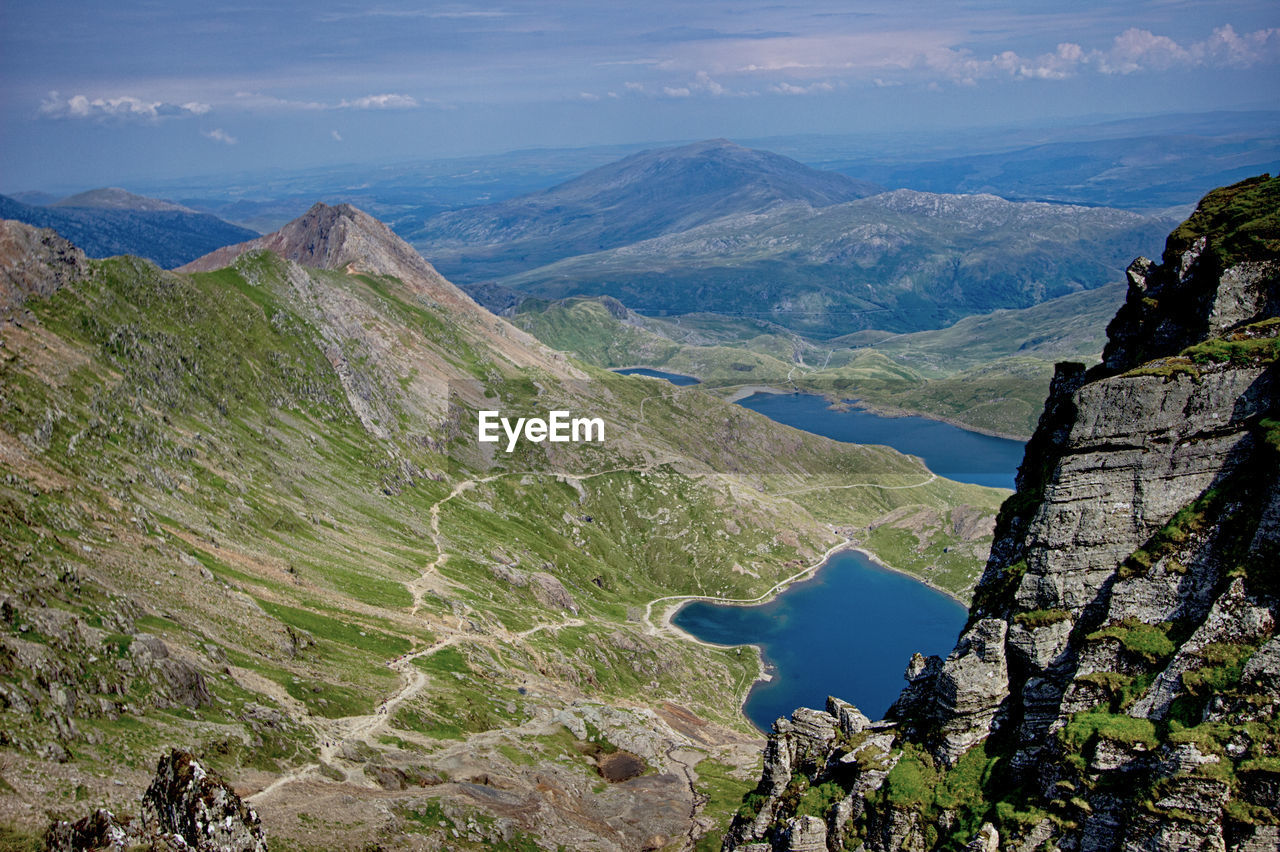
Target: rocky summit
[1116, 686]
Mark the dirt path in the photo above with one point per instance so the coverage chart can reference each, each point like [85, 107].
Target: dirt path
[332, 733]
[932, 477]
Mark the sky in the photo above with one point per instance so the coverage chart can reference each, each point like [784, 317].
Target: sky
[103, 93]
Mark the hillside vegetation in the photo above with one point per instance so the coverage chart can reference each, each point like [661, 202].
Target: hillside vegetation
[244, 512]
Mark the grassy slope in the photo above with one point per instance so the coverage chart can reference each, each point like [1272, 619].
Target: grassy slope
[182, 458]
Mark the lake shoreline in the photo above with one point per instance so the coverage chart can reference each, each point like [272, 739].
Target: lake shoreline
[764, 675]
[678, 602]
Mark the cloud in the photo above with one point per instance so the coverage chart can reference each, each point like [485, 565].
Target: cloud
[701, 84]
[125, 107]
[588, 96]
[785, 88]
[704, 83]
[337, 137]
[387, 101]
[219, 135]
[1132, 51]
[794, 64]
[261, 101]
[258, 100]
[1142, 50]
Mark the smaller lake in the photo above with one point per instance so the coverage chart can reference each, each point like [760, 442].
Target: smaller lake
[947, 450]
[849, 631]
[674, 378]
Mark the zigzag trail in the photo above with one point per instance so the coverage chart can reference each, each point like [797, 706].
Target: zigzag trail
[332, 733]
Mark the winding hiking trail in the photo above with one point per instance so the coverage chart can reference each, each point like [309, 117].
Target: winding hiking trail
[333, 733]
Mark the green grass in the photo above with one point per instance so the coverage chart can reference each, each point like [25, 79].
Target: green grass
[1243, 220]
[375, 642]
[725, 793]
[1037, 618]
[15, 839]
[911, 782]
[1151, 642]
[1117, 727]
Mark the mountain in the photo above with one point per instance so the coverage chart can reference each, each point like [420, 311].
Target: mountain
[115, 198]
[245, 513]
[636, 198]
[899, 261]
[1117, 685]
[106, 222]
[36, 198]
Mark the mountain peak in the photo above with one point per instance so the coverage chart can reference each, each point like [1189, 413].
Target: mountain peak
[719, 143]
[340, 236]
[648, 194]
[115, 198]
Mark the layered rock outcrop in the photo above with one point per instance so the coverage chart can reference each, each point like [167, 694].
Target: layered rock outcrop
[1115, 687]
[186, 807]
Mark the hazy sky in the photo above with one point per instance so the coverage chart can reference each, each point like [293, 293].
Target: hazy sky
[96, 93]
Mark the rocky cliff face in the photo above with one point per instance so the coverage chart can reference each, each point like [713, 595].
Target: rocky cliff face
[1115, 687]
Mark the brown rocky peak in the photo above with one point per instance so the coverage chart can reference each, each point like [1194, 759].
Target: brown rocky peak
[330, 237]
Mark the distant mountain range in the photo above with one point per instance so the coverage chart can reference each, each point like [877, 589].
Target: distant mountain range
[111, 221]
[721, 228]
[637, 198]
[1149, 172]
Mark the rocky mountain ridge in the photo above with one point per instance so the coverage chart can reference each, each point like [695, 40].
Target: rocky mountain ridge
[1115, 687]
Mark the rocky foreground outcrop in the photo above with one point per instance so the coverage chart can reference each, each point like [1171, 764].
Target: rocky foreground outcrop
[1116, 686]
[185, 808]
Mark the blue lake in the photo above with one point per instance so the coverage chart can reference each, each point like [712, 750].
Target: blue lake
[849, 631]
[947, 450]
[674, 378]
